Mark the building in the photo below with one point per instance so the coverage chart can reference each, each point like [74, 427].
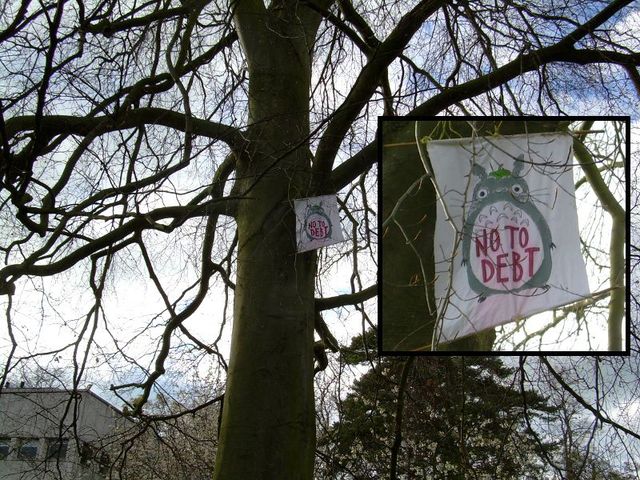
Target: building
[48, 433]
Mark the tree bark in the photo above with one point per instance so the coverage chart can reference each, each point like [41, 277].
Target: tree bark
[616, 245]
[268, 423]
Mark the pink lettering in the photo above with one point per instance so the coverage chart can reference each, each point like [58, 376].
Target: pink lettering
[504, 255]
[517, 267]
[481, 247]
[487, 270]
[484, 243]
[502, 265]
[530, 253]
[524, 237]
[512, 230]
[318, 229]
[495, 240]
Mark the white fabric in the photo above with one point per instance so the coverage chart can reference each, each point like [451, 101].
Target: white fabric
[511, 200]
[317, 222]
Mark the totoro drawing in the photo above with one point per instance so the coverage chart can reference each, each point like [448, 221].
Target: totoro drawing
[507, 243]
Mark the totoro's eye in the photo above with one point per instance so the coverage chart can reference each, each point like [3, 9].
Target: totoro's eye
[517, 189]
[482, 193]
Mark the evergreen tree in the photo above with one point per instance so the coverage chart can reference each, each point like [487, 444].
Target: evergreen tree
[462, 418]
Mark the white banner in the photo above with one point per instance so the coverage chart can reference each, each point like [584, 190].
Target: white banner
[317, 222]
[511, 199]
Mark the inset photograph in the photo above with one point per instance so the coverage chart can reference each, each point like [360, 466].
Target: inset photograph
[503, 235]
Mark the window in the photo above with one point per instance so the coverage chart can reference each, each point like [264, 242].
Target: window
[5, 447]
[57, 448]
[28, 449]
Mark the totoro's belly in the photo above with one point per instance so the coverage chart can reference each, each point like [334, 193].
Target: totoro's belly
[506, 249]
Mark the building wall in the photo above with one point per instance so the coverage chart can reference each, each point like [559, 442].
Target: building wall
[37, 424]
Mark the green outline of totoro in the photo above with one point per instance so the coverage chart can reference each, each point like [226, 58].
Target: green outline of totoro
[504, 186]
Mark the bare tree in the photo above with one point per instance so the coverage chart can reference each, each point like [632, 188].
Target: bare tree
[166, 141]
[596, 426]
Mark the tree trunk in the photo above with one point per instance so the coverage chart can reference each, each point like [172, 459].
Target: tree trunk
[406, 320]
[268, 422]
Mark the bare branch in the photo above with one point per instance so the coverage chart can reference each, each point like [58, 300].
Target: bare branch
[347, 299]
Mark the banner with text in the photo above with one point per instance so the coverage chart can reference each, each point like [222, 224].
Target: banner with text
[511, 199]
[317, 222]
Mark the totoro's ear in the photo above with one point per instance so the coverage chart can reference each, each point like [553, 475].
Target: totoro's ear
[479, 171]
[518, 165]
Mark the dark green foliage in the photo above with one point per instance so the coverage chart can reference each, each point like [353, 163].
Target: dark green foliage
[463, 418]
[359, 351]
